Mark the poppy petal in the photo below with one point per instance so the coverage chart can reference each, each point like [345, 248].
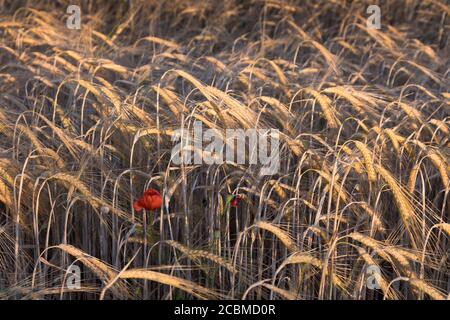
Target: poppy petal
[147, 202]
[156, 202]
[137, 206]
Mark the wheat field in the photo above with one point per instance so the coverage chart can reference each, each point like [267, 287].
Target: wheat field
[88, 118]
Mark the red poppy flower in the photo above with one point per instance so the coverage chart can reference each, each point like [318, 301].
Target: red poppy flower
[234, 203]
[150, 200]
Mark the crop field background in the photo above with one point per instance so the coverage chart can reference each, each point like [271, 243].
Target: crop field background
[88, 121]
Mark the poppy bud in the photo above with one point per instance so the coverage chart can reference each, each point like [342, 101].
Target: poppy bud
[234, 203]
